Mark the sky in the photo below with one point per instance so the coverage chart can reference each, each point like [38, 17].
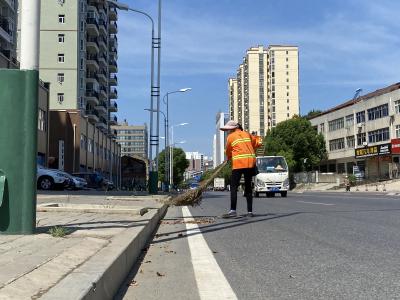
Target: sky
[343, 45]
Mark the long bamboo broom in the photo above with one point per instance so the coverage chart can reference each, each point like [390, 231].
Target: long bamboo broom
[193, 197]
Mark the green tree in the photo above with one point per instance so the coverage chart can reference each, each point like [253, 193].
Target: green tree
[312, 113]
[179, 166]
[298, 142]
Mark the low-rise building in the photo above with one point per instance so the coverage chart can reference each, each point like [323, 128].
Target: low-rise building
[79, 146]
[363, 134]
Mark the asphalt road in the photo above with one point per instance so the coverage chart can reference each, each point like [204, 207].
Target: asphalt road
[306, 246]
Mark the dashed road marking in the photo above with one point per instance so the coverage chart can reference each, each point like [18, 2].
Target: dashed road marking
[315, 203]
[210, 279]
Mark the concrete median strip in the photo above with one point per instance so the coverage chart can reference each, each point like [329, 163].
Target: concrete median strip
[91, 208]
[100, 276]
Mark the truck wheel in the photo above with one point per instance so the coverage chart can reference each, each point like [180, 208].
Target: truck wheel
[283, 194]
[45, 183]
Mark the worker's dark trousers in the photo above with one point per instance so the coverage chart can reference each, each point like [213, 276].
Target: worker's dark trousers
[235, 181]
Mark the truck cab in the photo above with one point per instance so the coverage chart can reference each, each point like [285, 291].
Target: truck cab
[273, 176]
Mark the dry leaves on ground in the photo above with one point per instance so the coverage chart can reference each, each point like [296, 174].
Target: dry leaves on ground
[160, 274]
[202, 220]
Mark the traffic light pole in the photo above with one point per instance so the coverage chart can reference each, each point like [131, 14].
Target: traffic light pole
[18, 136]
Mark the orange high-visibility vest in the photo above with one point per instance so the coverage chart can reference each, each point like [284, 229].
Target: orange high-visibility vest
[240, 148]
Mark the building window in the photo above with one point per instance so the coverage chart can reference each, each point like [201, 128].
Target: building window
[287, 94]
[60, 97]
[361, 139]
[287, 58]
[83, 141]
[350, 141]
[61, 58]
[378, 112]
[42, 120]
[322, 127]
[287, 87]
[336, 144]
[397, 106]
[349, 120]
[379, 135]
[61, 38]
[90, 145]
[397, 131]
[60, 77]
[360, 117]
[336, 124]
[61, 19]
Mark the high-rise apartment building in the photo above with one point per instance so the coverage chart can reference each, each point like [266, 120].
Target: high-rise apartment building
[78, 53]
[78, 56]
[266, 88]
[132, 139]
[8, 33]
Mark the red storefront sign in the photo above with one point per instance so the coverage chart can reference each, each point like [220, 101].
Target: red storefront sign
[395, 146]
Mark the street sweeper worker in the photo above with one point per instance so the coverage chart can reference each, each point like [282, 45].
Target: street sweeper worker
[240, 149]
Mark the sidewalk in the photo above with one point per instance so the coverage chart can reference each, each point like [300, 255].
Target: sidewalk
[103, 236]
[391, 187]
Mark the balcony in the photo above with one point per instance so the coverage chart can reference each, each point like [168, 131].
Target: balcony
[113, 80]
[102, 76]
[92, 97]
[114, 41]
[92, 26]
[113, 27]
[92, 62]
[113, 93]
[102, 42]
[113, 14]
[103, 60]
[102, 27]
[102, 124]
[91, 77]
[113, 106]
[101, 108]
[92, 115]
[112, 66]
[103, 93]
[92, 45]
[5, 30]
[10, 4]
[113, 120]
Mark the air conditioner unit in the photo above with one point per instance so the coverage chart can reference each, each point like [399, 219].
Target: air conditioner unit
[365, 144]
[360, 125]
[61, 2]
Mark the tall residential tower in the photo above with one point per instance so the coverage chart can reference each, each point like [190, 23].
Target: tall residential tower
[266, 88]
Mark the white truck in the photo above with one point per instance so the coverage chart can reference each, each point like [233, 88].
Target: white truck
[219, 184]
[273, 176]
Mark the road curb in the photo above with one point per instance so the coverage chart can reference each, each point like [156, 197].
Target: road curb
[101, 276]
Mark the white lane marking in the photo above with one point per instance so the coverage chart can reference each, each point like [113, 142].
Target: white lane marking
[210, 279]
[315, 203]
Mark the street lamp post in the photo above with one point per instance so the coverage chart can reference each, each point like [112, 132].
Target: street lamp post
[165, 146]
[154, 91]
[165, 100]
[171, 157]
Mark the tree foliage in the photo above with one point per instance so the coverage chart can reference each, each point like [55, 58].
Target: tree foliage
[298, 142]
[312, 113]
[180, 163]
[225, 173]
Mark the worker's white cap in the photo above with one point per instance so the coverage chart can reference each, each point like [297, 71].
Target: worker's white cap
[230, 125]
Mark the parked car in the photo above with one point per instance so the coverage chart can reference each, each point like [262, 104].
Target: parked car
[95, 180]
[48, 179]
[78, 183]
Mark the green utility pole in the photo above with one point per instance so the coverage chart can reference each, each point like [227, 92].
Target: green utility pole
[18, 130]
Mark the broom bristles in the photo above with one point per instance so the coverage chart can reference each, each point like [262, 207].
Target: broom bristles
[193, 197]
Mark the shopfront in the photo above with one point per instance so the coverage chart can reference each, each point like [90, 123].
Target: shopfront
[377, 160]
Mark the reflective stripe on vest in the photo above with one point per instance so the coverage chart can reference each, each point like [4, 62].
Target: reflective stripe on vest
[244, 140]
[243, 156]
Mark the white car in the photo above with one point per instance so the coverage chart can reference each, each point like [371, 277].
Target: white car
[48, 179]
